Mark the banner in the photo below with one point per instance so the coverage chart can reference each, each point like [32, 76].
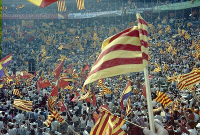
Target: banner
[93, 14]
[32, 16]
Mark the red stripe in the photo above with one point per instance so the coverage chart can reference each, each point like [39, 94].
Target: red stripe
[127, 47]
[118, 132]
[192, 82]
[104, 124]
[116, 62]
[142, 21]
[25, 109]
[133, 33]
[10, 55]
[119, 34]
[143, 32]
[144, 43]
[187, 78]
[145, 56]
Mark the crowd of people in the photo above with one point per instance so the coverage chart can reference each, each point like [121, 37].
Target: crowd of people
[48, 41]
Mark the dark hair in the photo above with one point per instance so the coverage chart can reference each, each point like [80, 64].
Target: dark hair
[191, 124]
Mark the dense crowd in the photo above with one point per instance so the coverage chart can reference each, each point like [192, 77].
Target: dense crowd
[80, 41]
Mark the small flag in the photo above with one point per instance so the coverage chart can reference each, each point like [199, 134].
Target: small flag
[23, 105]
[61, 5]
[80, 4]
[100, 83]
[16, 92]
[163, 99]
[165, 67]
[128, 107]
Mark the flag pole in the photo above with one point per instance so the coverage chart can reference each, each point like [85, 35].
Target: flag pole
[149, 100]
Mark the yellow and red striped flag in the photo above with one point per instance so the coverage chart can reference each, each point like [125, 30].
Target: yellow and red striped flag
[58, 117]
[165, 67]
[189, 79]
[48, 120]
[16, 92]
[158, 69]
[87, 95]
[163, 99]
[23, 105]
[106, 90]
[174, 106]
[61, 5]
[50, 105]
[108, 123]
[80, 4]
[125, 50]
[128, 107]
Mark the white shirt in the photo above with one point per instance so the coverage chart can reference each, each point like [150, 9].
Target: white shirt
[196, 118]
[55, 125]
[12, 131]
[90, 123]
[21, 116]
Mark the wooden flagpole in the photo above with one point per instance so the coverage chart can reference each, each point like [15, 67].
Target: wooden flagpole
[149, 100]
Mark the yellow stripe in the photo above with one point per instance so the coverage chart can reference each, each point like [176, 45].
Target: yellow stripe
[10, 58]
[101, 124]
[118, 54]
[122, 69]
[123, 40]
[36, 2]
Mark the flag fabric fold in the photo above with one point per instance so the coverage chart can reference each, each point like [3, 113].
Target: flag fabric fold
[128, 107]
[2, 74]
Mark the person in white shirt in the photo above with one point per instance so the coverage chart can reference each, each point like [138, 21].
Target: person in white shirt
[90, 124]
[55, 125]
[21, 116]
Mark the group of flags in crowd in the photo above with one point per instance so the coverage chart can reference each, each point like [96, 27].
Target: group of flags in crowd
[125, 50]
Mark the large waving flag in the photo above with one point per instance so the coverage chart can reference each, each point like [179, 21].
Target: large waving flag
[16, 92]
[125, 50]
[23, 105]
[42, 3]
[6, 60]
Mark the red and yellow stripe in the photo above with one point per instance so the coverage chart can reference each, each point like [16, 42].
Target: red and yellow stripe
[80, 4]
[125, 50]
[61, 5]
[23, 105]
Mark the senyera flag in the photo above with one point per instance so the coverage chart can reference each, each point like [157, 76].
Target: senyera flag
[122, 53]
